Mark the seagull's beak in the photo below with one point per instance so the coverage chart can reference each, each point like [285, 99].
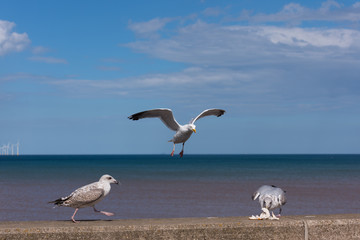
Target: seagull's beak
[194, 130]
[116, 182]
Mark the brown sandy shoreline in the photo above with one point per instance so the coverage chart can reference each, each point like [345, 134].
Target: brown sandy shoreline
[338, 226]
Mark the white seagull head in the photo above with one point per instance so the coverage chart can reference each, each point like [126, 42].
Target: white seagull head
[108, 178]
[192, 127]
[267, 202]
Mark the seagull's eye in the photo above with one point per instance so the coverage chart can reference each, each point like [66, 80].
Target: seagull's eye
[109, 178]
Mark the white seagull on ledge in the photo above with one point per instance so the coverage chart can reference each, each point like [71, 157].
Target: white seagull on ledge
[183, 132]
[270, 198]
[88, 196]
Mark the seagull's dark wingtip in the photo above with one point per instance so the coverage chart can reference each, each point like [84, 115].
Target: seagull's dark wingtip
[136, 116]
[132, 117]
[221, 113]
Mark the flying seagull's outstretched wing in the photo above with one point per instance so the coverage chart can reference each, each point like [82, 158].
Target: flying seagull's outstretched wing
[164, 114]
[209, 112]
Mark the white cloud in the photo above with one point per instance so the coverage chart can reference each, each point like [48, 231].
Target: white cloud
[11, 41]
[193, 77]
[149, 27]
[255, 89]
[343, 38]
[201, 43]
[109, 68]
[25, 76]
[328, 5]
[212, 12]
[356, 5]
[255, 68]
[112, 60]
[293, 8]
[291, 13]
[40, 50]
[262, 63]
[51, 60]
[208, 44]
[294, 13]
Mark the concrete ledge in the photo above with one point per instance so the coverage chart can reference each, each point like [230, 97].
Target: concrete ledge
[329, 227]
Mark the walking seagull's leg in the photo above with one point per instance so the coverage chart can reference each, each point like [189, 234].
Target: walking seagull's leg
[72, 218]
[103, 212]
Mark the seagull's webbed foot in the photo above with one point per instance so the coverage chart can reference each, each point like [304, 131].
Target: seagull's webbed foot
[103, 212]
[107, 213]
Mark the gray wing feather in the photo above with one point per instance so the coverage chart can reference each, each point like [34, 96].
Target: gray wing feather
[165, 115]
[209, 112]
[255, 195]
[264, 189]
[85, 195]
[282, 198]
[280, 194]
[271, 190]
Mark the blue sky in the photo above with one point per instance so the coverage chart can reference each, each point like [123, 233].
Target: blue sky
[286, 72]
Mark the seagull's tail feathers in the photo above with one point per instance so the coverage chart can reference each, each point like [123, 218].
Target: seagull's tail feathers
[59, 201]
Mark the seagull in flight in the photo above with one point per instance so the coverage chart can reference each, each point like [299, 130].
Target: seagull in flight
[88, 196]
[183, 132]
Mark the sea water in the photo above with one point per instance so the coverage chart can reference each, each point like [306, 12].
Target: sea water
[160, 186]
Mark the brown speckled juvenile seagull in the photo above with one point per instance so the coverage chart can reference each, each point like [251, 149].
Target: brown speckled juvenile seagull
[88, 196]
[183, 132]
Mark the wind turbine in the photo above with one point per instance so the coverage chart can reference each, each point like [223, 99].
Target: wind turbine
[3, 149]
[17, 148]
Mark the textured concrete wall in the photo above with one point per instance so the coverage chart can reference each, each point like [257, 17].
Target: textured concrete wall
[329, 227]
